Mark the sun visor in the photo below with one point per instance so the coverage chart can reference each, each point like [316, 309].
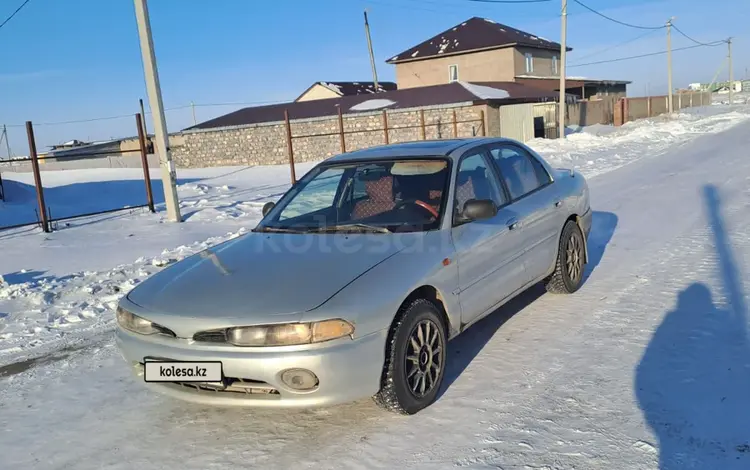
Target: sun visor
[418, 167]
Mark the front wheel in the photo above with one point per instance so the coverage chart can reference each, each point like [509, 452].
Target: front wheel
[568, 275]
[415, 359]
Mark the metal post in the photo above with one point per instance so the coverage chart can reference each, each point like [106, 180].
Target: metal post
[290, 148]
[670, 105]
[421, 124]
[372, 55]
[160, 123]
[192, 106]
[341, 132]
[731, 74]
[143, 115]
[385, 126]
[484, 126]
[648, 106]
[37, 177]
[455, 125]
[563, 54]
[144, 162]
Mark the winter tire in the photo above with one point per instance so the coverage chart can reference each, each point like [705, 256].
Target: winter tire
[415, 359]
[568, 275]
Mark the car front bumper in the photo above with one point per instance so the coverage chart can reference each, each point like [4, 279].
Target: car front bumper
[347, 369]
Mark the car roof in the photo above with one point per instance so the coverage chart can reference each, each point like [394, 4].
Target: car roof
[415, 149]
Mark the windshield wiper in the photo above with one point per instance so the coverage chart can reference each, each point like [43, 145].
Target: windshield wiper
[360, 227]
[277, 229]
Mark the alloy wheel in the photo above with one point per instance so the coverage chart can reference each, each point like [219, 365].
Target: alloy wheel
[423, 358]
[574, 257]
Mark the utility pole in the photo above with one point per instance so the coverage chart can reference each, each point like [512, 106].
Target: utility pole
[372, 56]
[669, 65]
[192, 106]
[563, 54]
[731, 73]
[157, 107]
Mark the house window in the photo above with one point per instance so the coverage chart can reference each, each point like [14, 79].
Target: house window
[453, 73]
[554, 65]
[529, 62]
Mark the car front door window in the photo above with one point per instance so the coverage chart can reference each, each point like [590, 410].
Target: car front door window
[476, 181]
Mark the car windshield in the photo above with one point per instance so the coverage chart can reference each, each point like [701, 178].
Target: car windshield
[377, 196]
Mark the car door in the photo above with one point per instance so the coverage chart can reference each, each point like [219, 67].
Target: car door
[489, 250]
[533, 198]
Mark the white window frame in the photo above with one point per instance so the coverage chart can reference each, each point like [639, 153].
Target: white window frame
[555, 65]
[529, 62]
[451, 68]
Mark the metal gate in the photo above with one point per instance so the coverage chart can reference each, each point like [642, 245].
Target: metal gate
[517, 121]
[545, 120]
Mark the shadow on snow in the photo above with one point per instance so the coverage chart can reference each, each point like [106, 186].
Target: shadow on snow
[693, 381]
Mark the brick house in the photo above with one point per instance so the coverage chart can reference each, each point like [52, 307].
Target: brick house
[481, 50]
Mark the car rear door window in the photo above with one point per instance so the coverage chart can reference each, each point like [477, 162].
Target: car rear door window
[475, 180]
[521, 172]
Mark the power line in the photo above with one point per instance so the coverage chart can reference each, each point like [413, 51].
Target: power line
[14, 13]
[607, 49]
[635, 56]
[712, 44]
[614, 20]
[175, 108]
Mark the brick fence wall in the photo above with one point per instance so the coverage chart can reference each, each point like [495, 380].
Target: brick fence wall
[319, 138]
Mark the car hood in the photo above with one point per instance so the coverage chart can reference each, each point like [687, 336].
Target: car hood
[261, 276]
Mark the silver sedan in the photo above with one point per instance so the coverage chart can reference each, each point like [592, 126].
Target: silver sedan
[353, 283]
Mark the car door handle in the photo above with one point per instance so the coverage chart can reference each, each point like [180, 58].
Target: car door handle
[512, 223]
[558, 203]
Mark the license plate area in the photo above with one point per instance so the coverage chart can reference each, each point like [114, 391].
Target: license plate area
[209, 373]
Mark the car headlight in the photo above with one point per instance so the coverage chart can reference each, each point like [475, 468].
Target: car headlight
[136, 324]
[288, 334]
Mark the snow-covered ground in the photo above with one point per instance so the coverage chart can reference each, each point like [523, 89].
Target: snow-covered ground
[647, 365]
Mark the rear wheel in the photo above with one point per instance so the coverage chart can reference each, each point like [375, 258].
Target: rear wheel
[415, 359]
[568, 275]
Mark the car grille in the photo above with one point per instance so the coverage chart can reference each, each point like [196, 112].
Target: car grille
[232, 385]
[211, 336]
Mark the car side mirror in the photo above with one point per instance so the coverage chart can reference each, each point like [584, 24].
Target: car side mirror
[478, 209]
[267, 207]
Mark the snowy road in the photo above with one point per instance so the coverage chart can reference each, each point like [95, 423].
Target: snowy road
[647, 366]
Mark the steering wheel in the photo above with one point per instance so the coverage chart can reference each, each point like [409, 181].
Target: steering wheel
[421, 204]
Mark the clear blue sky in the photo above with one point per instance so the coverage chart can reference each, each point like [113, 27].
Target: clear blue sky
[65, 60]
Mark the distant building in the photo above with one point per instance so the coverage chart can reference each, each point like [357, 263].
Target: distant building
[70, 145]
[721, 87]
[481, 50]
